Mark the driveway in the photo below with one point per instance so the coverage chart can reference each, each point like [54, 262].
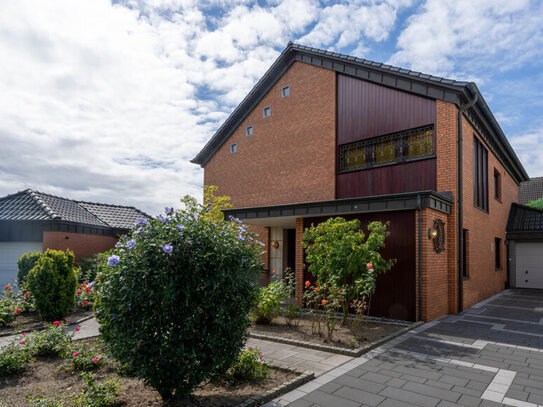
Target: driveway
[492, 355]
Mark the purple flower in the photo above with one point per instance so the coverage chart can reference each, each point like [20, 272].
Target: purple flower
[113, 260]
[241, 238]
[168, 211]
[167, 248]
[118, 244]
[261, 244]
[142, 221]
[161, 219]
[131, 243]
[244, 260]
[89, 285]
[180, 227]
[189, 242]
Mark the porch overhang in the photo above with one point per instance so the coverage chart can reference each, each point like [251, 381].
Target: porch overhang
[285, 215]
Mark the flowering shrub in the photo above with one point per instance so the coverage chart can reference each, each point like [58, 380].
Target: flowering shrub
[52, 282]
[25, 263]
[84, 358]
[52, 341]
[250, 366]
[85, 295]
[97, 394]
[174, 303]
[14, 357]
[269, 302]
[339, 253]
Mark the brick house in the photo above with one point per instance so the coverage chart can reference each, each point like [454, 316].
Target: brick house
[34, 221]
[324, 134]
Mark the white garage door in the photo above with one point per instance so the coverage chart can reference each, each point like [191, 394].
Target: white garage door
[529, 259]
[9, 253]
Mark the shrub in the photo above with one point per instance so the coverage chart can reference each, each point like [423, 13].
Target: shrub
[46, 401]
[53, 341]
[85, 295]
[340, 257]
[84, 358]
[269, 302]
[97, 394]
[250, 367]
[8, 306]
[52, 282]
[25, 263]
[13, 357]
[174, 304]
[292, 315]
[538, 203]
[90, 267]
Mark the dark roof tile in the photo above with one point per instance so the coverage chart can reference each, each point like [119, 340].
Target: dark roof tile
[524, 219]
[530, 190]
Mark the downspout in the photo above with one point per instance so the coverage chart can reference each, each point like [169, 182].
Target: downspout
[460, 195]
[419, 210]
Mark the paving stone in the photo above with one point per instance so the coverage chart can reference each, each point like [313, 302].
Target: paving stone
[426, 390]
[474, 384]
[375, 377]
[467, 400]
[410, 397]
[517, 395]
[395, 382]
[396, 403]
[331, 387]
[325, 399]
[370, 399]
[471, 392]
[535, 398]
[300, 403]
[454, 380]
[359, 383]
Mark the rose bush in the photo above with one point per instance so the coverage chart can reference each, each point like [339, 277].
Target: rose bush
[174, 302]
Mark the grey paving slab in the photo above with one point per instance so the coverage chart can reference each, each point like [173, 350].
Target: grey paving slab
[490, 356]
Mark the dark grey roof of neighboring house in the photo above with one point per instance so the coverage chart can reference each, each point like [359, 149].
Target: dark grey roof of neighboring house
[453, 91]
[524, 219]
[31, 205]
[530, 190]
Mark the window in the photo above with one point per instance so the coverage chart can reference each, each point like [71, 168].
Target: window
[394, 148]
[233, 148]
[285, 91]
[249, 130]
[497, 185]
[480, 175]
[497, 253]
[266, 112]
[465, 244]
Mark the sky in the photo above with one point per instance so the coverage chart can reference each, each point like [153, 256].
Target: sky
[108, 101]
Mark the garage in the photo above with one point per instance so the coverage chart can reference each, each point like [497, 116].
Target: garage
[9, 253]
[525, 247]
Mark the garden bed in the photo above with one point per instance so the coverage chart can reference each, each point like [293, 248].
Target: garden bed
[28, 321]
[54, 376]
[343, 338]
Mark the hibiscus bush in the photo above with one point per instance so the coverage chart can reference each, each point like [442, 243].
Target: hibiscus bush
[52, 282]
[174, 303]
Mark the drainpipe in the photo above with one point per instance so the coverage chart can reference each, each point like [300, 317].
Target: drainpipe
[419, 211]
[460, 200]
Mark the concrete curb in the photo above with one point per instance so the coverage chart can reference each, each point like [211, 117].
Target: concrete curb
[37, 328]
[302, 378]
[335, 349]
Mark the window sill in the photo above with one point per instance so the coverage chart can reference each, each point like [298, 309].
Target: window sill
[481, 209]
[498, 199]
[499, 269]
[430, 157]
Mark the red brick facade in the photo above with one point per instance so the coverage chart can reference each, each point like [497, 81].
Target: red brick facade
[290, 158]
[83, 245]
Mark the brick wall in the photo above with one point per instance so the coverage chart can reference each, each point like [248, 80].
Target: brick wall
[83, 245]
[290, 158]
[484, 280]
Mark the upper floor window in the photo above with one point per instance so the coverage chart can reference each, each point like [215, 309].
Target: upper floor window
[249, 130]
[480, 175]
[497, 185]
[394, 148]
[285, 91]
[233, 148]
[266, 112]
[497, 253]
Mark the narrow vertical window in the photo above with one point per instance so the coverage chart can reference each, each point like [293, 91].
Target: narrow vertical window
[266, 112]
[249, 130]
[480, 175]
[465, 244]
[497, 185]
[497, 253]
[285, 91]
[233, 148]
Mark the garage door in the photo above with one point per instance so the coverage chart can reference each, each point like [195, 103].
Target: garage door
[9, 253]
[529, 259]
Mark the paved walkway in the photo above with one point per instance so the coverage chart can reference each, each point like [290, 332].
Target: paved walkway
[492, 355]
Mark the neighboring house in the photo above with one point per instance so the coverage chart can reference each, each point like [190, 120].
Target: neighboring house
[324, 134]
[31, 220]
[530, 190]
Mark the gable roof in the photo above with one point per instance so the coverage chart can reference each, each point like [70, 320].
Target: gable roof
[524, 219]
[530, 190]
[458, 92]
[29, 205]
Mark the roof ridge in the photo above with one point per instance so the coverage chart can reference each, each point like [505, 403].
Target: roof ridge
[35, 196]
[527, 207]
[92, 214]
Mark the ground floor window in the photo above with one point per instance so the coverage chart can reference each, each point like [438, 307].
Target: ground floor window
[465, 253]
[497, 253]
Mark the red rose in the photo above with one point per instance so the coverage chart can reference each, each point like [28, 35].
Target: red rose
[78, 292]
[26, 294]
[85, 302]
[323, 302]
[307, 283]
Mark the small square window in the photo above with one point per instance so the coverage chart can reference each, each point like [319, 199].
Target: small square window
[266, 112]
[285, 91]
[249, 130]
[233, 148]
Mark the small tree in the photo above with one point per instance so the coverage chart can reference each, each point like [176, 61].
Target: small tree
[213, 204]
[174, 302]
[341, 258]
[52, 282]
[537, 204]
[25, 263]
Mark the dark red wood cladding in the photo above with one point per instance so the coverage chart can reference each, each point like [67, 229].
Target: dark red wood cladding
[366, 110]
[395, 296]
[391, 179]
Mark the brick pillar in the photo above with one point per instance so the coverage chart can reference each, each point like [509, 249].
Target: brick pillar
[299, 262]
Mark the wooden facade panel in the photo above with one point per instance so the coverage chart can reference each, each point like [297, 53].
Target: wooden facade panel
[366, 110]
[395, 296]
[392, 179]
